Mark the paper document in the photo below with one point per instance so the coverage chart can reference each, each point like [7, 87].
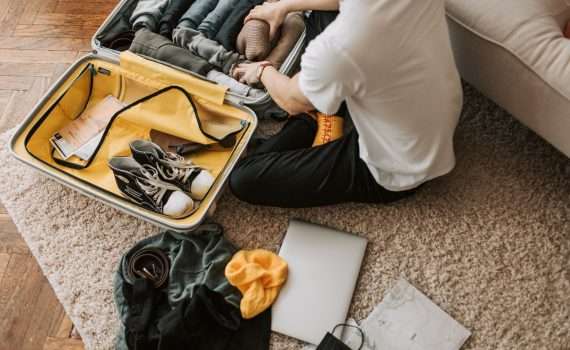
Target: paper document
[406, 319]
[82, 135]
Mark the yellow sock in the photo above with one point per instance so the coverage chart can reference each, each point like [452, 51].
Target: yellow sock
[330, 128]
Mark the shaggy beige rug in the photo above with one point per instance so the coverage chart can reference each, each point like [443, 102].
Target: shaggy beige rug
[489, 243]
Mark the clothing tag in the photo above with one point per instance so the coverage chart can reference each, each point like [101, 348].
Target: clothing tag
[406, 319]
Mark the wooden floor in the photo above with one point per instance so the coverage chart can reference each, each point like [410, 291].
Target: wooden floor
[38, 40]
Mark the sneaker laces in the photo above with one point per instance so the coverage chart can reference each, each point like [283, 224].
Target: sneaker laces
[175, 167]
[152, 186]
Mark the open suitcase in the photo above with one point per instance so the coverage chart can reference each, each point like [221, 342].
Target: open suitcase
[156, 96]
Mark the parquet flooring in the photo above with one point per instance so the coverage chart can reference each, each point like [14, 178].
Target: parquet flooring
[38, 40]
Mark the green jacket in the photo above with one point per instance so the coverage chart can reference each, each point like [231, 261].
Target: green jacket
[197, 258]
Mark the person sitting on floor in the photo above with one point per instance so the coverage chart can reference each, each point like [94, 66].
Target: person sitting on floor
[389, 64]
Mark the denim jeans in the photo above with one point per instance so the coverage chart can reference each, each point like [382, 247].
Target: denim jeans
[215, 19]
[196, 13]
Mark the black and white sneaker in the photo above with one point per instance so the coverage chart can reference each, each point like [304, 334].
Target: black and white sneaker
[173, 168]
[143, 186]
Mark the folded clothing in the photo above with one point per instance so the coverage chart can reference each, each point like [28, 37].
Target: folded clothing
[234, 85]
[118, 34]
[122, 41]
[228, 33]
[171, 16]
[259, 275]
[156, 46]
[147, 14]
[216, 18]
[196, 13]
[198, 44]
[291, 30]
[253, 40]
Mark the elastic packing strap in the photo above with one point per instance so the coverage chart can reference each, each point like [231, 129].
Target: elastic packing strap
[223, 140]
[226, 140]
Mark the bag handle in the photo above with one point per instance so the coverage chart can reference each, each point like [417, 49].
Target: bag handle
[362, 336]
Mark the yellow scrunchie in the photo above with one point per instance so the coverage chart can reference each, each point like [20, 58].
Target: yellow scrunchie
[259, 275]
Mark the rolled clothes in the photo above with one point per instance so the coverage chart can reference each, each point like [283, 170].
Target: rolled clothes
[228, 33]
[171, 16]
[116, 35]
[253, 40]
[196, 13]
[234, 85]
[291, 31]
[156, 46]
[198, 44]
[216, 18]
[122, 42]
[147, 14]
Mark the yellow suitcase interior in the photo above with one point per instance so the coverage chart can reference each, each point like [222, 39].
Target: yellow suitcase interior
[157, 97]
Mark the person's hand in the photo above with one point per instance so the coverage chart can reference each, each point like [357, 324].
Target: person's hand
[247, 73]
[271, 12]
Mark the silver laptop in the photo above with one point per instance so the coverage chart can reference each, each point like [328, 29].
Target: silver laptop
[323, 269]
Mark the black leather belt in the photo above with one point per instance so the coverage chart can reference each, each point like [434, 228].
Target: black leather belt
[151, 264]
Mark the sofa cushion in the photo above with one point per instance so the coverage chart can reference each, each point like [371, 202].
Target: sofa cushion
[515, 52]
[530, 29]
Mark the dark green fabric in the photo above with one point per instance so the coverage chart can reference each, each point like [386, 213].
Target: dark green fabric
[197, 258]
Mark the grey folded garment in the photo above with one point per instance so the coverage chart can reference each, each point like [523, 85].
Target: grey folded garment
[156, 46]
[147, 14]
[198, 44]
[234, 85]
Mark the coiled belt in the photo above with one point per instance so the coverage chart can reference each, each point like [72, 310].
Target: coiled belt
[151, 264]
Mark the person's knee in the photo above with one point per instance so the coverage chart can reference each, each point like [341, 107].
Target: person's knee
[242, 181]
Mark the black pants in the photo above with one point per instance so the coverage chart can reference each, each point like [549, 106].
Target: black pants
[285, 171]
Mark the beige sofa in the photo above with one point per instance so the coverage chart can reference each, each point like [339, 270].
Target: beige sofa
[514, 52]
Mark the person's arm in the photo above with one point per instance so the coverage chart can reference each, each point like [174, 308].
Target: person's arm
[274, 13]
[283, 90]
